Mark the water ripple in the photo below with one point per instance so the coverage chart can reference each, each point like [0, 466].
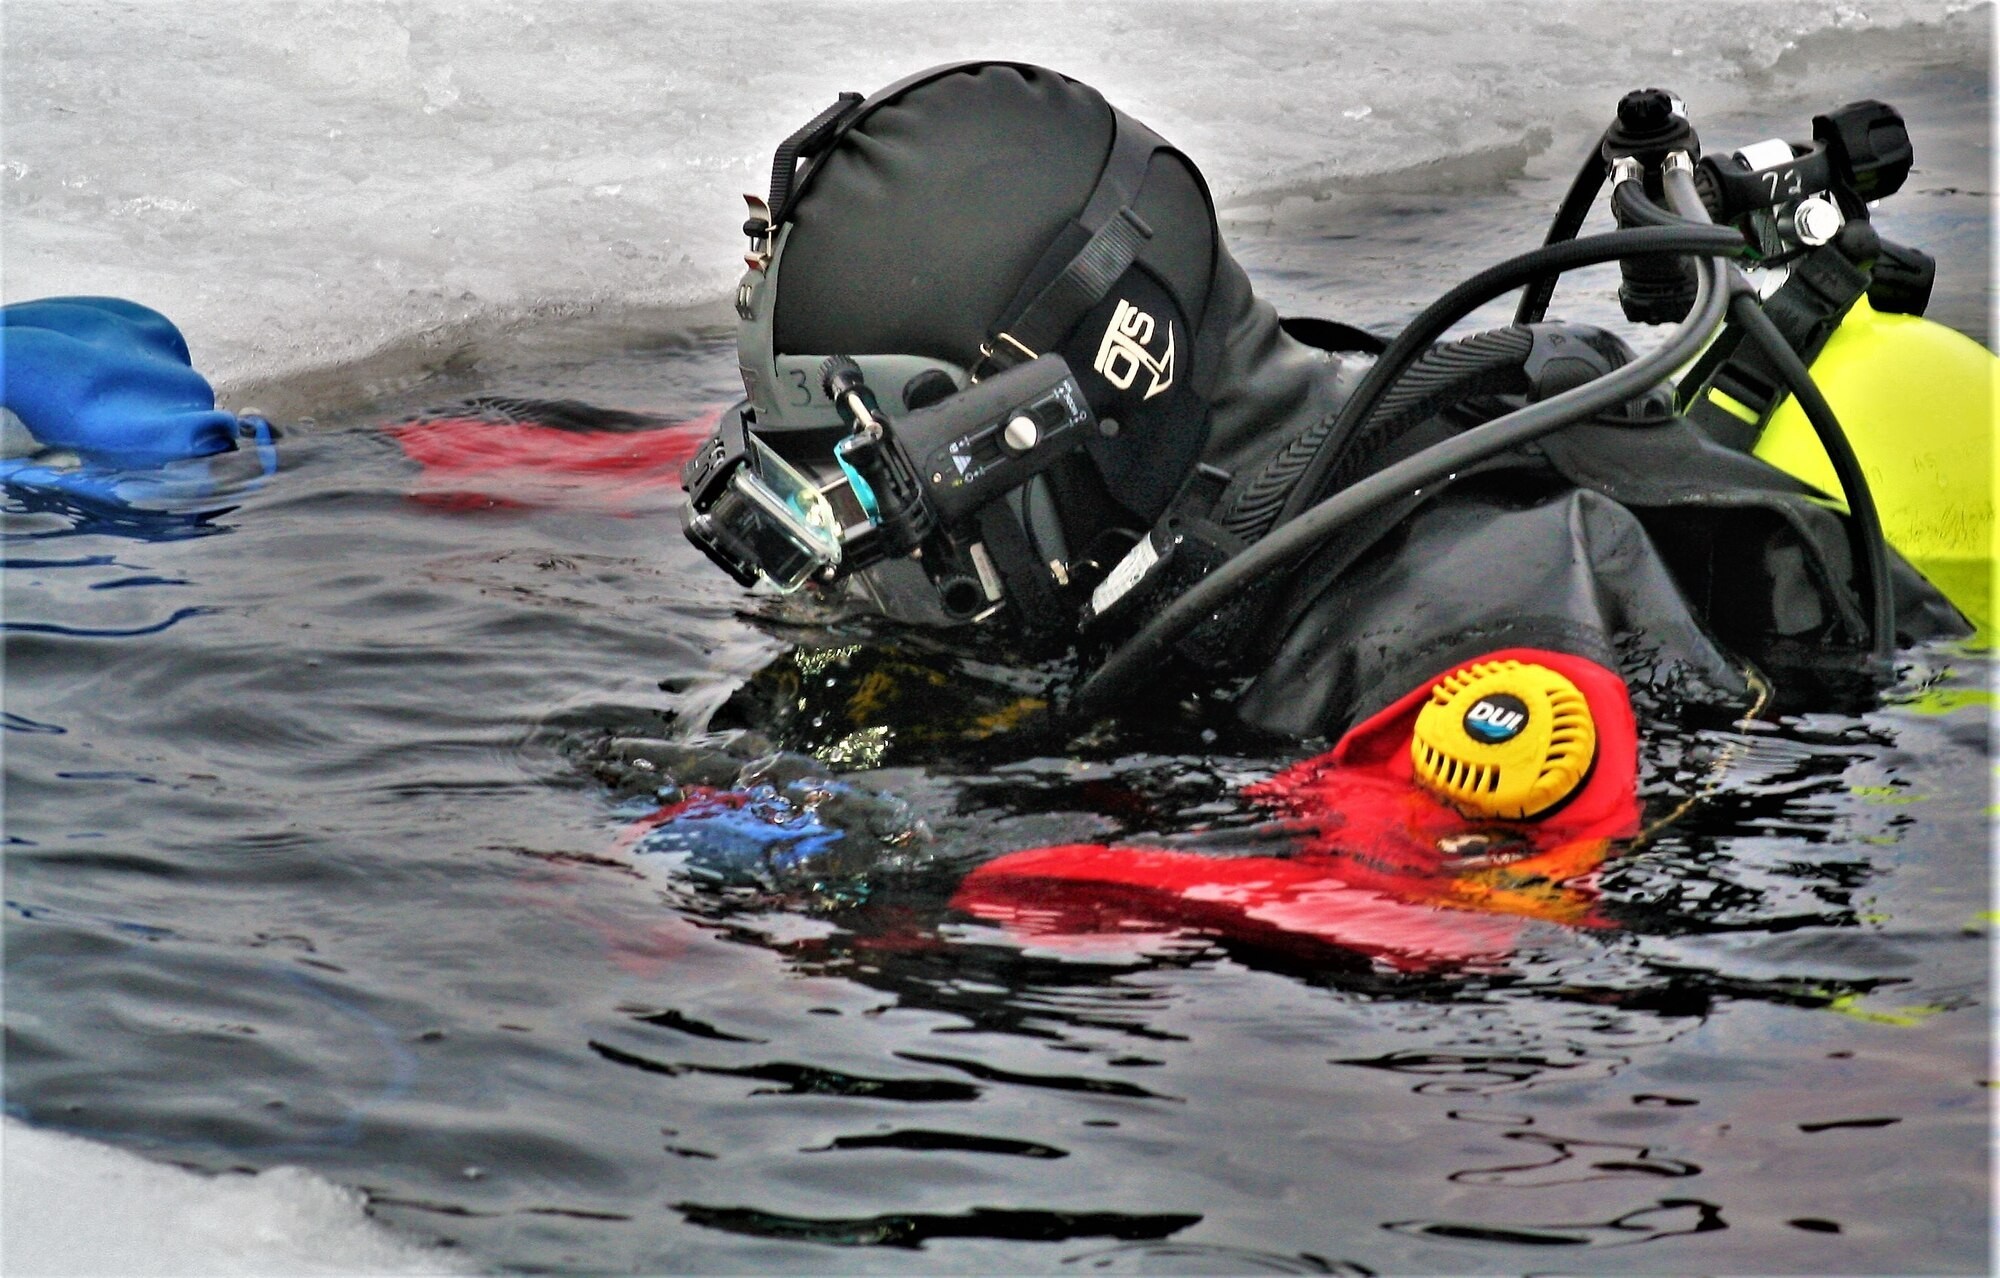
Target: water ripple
[1668, 1218]
[804, 1080]
[917, 1228]
[930, 1141]
[86, 632]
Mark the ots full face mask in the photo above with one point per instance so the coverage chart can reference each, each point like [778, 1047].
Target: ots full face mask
[981, 330]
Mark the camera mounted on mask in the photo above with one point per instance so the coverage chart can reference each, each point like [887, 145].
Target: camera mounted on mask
[987, 372]
[921, 486]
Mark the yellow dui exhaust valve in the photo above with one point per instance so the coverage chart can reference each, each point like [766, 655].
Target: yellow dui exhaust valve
[1503, 739]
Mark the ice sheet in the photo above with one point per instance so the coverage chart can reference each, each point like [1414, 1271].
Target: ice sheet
[75, 1209]
[298, 184]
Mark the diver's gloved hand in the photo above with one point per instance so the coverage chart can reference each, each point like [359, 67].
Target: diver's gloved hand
[654, 768]
[740, 764]
[776, 821]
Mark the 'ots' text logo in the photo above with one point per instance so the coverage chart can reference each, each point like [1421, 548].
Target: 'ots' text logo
[1495, 718]
[1122, 353]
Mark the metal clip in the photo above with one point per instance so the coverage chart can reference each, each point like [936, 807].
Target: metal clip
[758, 228]
[987, 349]
[989, 361]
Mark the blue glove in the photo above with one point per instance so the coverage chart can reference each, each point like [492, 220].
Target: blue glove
[109, 380]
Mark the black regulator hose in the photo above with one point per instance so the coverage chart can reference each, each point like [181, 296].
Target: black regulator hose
[1436, 319]
[1141, 656]
[1575, 206]
[1747, 312]
[1634, 206]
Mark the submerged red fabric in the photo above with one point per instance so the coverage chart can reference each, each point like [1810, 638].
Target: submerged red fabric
[1373, 864]
[474, 463]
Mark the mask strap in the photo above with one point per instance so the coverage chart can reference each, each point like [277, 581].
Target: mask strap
[809, 141]
[1116, 236]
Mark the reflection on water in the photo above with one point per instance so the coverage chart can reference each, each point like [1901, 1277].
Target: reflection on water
[425, 853]
[1668, 1217]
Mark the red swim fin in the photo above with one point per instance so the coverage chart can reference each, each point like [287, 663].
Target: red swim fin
[509, 456]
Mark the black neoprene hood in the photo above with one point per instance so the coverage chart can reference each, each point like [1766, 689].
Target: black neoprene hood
[943, 215]
[946, 197]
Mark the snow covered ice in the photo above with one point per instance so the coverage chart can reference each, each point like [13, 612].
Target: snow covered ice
[70, 1208]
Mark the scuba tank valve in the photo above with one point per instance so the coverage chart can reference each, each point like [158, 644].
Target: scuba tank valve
[1651, 123]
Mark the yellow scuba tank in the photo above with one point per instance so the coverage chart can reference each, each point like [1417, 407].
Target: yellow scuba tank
[1916, 400]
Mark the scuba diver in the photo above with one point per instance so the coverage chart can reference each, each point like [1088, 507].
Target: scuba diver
[1001, 372]
[1003, 376]
[1053, 402]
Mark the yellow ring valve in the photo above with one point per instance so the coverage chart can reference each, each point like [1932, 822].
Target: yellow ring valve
[1504, 739]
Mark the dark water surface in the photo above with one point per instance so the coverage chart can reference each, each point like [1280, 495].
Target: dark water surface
[318, 816]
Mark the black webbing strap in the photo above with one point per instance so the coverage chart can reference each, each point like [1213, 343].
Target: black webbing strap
[1117, 234]
[1082, 284]
[808, 141]
[1822, 288]
[1029, 585]
[847, 116]
[1124, 172]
